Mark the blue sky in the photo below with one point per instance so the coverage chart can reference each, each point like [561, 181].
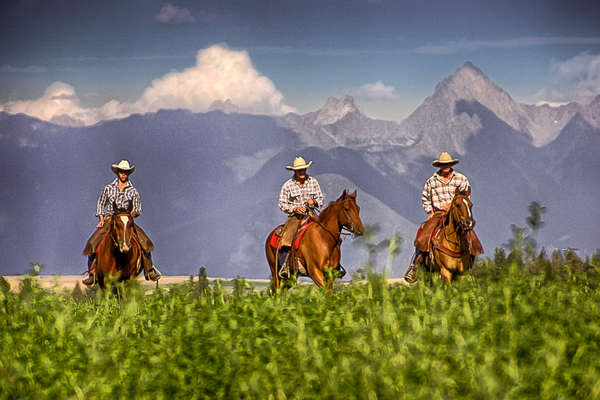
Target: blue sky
[388, 54]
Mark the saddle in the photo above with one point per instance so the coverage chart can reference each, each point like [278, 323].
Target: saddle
[294, 262]
[276, 236]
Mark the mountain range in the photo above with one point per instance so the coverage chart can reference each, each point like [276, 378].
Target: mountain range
[209, 181]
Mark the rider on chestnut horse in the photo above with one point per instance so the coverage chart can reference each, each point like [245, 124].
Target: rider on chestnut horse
[299, 195]
[121, 193]
[436, 197]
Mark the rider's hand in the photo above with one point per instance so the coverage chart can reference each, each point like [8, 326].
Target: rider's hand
[300, 210]
[447, 207]
[310, 202]
[100, 224]
[430, 215]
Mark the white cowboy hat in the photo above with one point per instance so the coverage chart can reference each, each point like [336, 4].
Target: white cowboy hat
[445, 160]
[123, 165]
[299, 163]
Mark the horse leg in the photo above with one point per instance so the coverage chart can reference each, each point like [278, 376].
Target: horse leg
[446, 274]
[319, 278]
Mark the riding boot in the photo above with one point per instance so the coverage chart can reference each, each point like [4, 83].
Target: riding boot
[411, 271]
[91, 279]
[284, 270]
[150, 271]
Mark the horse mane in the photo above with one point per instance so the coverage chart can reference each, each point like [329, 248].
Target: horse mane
[327, 211]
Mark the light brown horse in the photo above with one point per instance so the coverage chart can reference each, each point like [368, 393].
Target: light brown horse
[320, 246]
[450, 253]
[119, 254]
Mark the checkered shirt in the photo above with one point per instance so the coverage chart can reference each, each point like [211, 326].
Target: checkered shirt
[437, 194]
[111, 193]
[292, 195]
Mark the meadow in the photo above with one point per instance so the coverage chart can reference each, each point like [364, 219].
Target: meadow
[511, 329]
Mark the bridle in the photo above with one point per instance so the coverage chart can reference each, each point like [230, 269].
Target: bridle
[115, 240]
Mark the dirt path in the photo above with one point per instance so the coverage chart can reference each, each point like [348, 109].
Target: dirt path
[68, 282]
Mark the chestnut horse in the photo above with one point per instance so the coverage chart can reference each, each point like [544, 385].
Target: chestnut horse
[450, 253]
[319, 248]
[119, 254]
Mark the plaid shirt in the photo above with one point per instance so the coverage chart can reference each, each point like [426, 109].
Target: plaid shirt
[111, 193]
[293, 195]
[437, 194]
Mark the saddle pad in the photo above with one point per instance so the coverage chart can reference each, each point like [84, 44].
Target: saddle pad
[299, 236]
[275, 237]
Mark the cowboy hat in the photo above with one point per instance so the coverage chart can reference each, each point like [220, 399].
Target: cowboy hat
[445, 160]
[123, 165]
[299, 163]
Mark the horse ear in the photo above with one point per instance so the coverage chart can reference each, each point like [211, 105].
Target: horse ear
[115, 208]
[344, 194]
[457, 191]
[468, 192]
[353, 195]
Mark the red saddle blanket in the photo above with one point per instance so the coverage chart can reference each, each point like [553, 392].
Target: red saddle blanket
[274, 242]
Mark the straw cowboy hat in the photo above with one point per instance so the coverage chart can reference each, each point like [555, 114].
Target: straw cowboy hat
[445, 160]
[123, 165]
[299, 163]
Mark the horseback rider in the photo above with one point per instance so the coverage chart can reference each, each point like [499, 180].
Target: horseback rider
[120, 192]
[437, 197]
[298, 197]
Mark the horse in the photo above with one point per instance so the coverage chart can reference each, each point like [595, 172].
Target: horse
[119, 255]
[319, 248]
[450, 251]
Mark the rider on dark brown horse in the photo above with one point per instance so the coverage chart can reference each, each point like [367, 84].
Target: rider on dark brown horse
[436, 197]
[121, 193]
[298, 196]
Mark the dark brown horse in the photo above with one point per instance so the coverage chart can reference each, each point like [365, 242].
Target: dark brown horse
[320, 246]
[450, 253]
[119, 254]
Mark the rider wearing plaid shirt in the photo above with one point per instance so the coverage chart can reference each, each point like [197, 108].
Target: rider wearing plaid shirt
[438, 193]
[298, 196]
[119, 192]
[111, 193]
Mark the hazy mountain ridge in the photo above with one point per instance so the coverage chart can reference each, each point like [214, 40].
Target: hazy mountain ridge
[210, 181]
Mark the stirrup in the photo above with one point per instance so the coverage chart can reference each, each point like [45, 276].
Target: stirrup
[411, 274]
[90, 281]
[153, 274]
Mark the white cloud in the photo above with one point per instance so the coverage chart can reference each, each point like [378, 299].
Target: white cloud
[219, 74]
[465, 45]
[575, 79]
[376, 91]
[170, 14]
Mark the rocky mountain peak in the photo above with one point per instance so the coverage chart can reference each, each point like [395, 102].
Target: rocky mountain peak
[336, 109]
[226, 106]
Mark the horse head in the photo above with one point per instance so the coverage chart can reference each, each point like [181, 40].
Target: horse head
[122, 227]
[460, 210]
[349, 213]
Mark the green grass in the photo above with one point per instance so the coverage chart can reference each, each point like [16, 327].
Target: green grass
[508, 333]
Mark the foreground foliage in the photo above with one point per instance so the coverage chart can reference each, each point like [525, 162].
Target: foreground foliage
[508, 333]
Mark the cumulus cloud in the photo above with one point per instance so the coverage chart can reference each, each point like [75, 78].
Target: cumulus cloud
[219, 74]
[376, 91]
[574, 79]
[170, 14]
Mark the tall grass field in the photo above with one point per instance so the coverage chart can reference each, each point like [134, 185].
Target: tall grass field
[511, 329]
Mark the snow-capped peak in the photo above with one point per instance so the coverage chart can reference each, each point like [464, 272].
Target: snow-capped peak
[336, 109]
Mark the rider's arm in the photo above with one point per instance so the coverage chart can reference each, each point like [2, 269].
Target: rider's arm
[426, 198]
[284, 203]
[464, 184]
[100, 205]
[137, 204]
